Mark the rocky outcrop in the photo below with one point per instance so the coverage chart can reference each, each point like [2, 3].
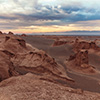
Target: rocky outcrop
[14, 44]
[80, 58]
[78, 45]
[11, 33]
[80, 62]
[40, 63]
[32, 87]
[24, 35]
[6, 67]
[25, 58]
[58, 43]
[1, 32]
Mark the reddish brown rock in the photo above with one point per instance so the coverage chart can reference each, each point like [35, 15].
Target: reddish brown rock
[80, 62]
[24, 35]
[6, 67]
[80, 58]
[11, 33]
[58, 43]
[14, 44]
[78, 45]
[40, 63]
[1, 32]
[26, 58]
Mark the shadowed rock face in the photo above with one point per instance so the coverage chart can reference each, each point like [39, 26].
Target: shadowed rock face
[11, 33]
[78, 45]
[6, 67]
[31, 87]
[1, 32]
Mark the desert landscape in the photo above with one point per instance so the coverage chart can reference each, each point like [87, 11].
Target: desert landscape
[49, 67]
[49, 49]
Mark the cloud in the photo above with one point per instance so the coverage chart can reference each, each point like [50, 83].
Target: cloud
[22, 13]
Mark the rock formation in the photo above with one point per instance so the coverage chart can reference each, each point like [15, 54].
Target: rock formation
[6, 66]
[29, 59]
[32, 87]
[1, 32]
[80, 58]
[24, 35]
[80, 61]
[45, 78]
[11, 33]
[78, 45]
[40, 63]
[58, 43]
[14, 44]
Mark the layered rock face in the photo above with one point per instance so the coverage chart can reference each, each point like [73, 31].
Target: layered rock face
[80, 61]
[14, 44]
[58, 43]
[80, 58]
[6, 66]
[78, 45]
[25, 58]
[39, 62]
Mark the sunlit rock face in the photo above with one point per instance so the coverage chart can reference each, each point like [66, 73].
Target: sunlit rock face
[80, 58]
[78, 45]
[79, 62]
[22, 56]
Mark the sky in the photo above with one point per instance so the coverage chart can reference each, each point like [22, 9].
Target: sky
[36, 16]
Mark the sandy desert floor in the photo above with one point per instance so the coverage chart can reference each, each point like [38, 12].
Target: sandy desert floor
[62, 52]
